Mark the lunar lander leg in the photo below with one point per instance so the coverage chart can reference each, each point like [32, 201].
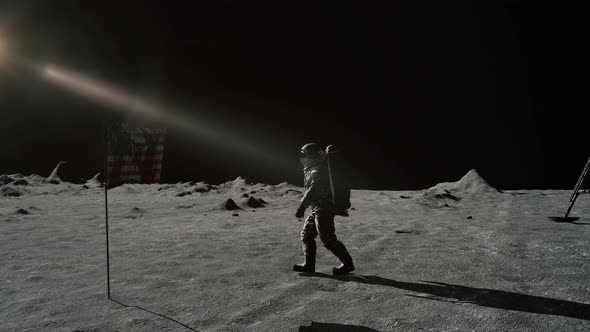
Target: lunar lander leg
[577, 191]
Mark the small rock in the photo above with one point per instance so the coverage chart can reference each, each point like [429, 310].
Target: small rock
[245, 195]
[352, 208]
[136, 210]
[235, 215]
[5, 179]
[404, 231]
[404, 197]
[202, 189]
[22, 211]
[470, 217]
[253, 210]
[85, 187]
[229, 204]
[186, 206]
[254, 203]
[10, 192]
[21, 182]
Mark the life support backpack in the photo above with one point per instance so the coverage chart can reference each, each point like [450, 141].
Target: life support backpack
[339, 184]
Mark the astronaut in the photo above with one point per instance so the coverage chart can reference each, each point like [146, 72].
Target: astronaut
[321, 219]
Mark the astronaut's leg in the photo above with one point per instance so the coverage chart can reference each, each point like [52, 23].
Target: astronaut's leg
[308, 235]
[327, 232]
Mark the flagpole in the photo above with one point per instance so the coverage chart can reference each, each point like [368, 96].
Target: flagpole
[106, 209]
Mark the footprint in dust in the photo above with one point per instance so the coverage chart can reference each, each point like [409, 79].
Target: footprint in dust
[260, 285]
[35, 278]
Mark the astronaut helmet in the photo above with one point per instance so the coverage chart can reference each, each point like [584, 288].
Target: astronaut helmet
[311, 154]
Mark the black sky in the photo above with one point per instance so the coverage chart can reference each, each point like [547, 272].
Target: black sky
[418, 93]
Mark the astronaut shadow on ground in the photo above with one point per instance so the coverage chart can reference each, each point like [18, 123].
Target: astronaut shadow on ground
[479, 296]
[333, 327]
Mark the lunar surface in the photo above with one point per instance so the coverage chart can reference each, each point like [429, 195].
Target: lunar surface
[460, 256]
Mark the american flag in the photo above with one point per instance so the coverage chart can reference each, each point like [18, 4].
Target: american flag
[135, 154]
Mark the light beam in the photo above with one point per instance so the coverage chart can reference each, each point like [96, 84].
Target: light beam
[3, 52]
[121, 100]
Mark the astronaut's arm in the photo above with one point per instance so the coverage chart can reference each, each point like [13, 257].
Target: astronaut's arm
[312, 194]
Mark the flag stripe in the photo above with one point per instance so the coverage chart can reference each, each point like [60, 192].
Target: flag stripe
[143, 160]
[160, 146]
[154, 135]
[128, 168]
[151, 156]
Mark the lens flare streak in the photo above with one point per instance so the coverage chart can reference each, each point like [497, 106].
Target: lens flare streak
[91, 88]
[123, 101]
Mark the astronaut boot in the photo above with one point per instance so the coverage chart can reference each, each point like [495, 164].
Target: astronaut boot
[309, 251]
[347, 265]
